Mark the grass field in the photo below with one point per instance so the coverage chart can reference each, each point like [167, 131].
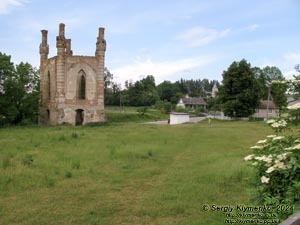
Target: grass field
[127, 114]
[129, 174]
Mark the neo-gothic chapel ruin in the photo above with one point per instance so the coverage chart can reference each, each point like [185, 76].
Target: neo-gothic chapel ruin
[71, 86]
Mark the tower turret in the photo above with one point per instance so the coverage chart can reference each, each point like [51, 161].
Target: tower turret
[101, 43]
[69, 51]
[100, 55]
[44, 49]
[60, 63]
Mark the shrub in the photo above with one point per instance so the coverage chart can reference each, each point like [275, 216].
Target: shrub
[277, 163]
[74, 135]
[62, 138]
[164, 106]
[28, 160]
[68, 174]
[294, 116]
[142, 111]
[181, 109]
[49, 182]
[150, 153]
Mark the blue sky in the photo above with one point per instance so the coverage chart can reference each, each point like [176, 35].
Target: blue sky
[170, 39]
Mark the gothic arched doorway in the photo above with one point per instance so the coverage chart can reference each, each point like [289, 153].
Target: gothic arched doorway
[79, 117]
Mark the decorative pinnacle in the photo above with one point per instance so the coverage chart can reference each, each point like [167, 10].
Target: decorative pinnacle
[62, 30]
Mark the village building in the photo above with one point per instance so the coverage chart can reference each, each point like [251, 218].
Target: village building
[293, 103]
[214, 90]
[71, 86]
[192, 103]
[266, 109]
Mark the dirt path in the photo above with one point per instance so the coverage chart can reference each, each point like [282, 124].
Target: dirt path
[165, 122]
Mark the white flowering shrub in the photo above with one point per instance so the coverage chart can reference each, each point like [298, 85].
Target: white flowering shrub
[277, 160]
[294, 114]
[278, 124]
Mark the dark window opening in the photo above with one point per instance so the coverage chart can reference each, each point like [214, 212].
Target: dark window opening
[79, 117]
[49, 86]
[82, 87]
[48, 116]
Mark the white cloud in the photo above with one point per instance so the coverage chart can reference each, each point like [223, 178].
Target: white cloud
[160, 70]
[199, 36]
[291, 59]
[286, 63]
[6, 5]
[252, 27]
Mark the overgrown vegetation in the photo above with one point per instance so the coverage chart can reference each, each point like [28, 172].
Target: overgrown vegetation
[276, 160]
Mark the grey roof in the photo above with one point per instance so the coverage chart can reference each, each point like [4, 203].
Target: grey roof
[290, 99]
[264, 104]
[193, 101]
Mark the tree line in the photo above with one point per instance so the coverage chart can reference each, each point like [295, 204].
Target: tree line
[145, 92]
[239, 93]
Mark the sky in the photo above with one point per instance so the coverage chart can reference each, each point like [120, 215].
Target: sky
[169, 39]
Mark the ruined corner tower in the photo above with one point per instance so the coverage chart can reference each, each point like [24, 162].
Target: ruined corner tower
[71, 87]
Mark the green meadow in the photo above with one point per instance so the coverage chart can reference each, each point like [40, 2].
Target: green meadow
[125, 173]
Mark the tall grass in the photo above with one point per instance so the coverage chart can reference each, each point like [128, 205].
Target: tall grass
[116, 114]
[124, 173]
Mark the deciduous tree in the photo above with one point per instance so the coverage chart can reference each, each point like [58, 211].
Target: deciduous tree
[19, 92]
[239, 92]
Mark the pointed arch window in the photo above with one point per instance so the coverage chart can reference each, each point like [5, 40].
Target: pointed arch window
[49, 86]
[82, 85]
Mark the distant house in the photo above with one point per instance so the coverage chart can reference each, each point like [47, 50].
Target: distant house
[266, 109]
[192, 103]
[293, 103]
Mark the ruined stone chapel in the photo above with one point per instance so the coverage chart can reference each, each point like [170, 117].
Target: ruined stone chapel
[71, 87]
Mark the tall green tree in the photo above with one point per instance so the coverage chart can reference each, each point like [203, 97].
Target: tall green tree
[168, 91]
[112, 90]
[278, 91]
[295, 90]
[268, 88]
[142, 92]
[239, 91]
[19, 92]
[262, 83]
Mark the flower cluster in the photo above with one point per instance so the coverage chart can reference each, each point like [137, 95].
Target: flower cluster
[277, 124]
[271, 156]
